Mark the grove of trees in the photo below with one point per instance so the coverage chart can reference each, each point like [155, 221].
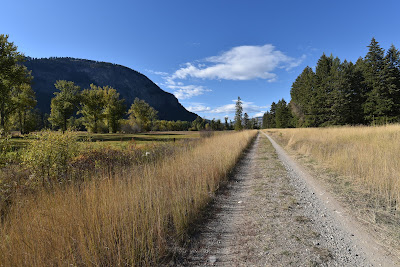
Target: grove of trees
[343, 93]
[96, 109]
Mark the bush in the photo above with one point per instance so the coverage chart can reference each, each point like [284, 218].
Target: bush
[49, 155]
[206, 133]
[5, 149]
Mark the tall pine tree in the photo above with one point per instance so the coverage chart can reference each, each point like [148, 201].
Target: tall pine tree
[379, 102]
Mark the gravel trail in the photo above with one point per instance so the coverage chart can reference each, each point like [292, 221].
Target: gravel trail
[348, 238]
[272, 213]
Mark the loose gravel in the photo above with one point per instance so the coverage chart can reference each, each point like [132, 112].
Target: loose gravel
[271, 213]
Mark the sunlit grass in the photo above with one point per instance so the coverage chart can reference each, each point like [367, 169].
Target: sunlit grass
[128, 218]
[370, 155]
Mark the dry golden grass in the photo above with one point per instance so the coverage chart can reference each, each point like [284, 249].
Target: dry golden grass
[128, 219]
[370, 155]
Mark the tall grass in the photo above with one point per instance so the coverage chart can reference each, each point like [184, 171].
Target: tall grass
[129, 218]
[370, 155]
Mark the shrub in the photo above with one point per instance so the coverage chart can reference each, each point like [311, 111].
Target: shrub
[5, 149]
[48, 156]
[206, 133]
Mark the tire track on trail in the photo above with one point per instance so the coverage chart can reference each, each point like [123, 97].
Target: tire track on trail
[267, 215]
[336, 222]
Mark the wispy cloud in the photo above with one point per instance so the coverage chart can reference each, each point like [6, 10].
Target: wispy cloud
[198, 107]
[184, 91]
[240, 63]
[161, 73]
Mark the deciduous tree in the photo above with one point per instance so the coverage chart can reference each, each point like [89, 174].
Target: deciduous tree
[12, 75]
[24, 101]
[142, 114]
[114, 109]
[64, 104]
[92, 107]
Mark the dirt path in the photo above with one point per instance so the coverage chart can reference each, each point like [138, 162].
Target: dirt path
[270, 214]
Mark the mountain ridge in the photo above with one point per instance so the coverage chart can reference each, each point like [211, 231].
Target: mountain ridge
[83, 72]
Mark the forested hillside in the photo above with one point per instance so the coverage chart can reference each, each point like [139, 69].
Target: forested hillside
[129, 83]
[343, 93]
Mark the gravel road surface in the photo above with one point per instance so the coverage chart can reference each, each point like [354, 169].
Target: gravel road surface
[273, 213]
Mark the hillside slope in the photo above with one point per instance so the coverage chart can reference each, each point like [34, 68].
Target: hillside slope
[129, 83]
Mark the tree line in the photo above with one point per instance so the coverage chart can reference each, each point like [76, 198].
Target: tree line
[242, 121]
[95, 109]
[343, 93]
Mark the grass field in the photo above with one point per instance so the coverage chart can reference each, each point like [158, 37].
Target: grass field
[369, 155]
[131, 216]
[116, 140]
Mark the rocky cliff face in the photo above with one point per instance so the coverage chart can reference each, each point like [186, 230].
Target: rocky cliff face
[129, 83]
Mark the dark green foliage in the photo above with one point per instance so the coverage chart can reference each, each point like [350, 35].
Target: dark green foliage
[216, 125]
[302, 93]
[227, 124]
[246, 121]
[279, 116]
[238, 115]
[343, 93]
[379, 102]
[282, 115]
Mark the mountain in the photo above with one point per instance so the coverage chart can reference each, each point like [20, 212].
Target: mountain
[129, 83]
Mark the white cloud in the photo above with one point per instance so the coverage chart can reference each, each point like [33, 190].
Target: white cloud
[188, 91]
[229, 108]
[182, 91]
[240, 63]
[161, 73]
[198, 107]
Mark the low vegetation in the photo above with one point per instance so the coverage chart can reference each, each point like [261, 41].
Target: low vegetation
[369, 155]
[47, 159]
[129, 215]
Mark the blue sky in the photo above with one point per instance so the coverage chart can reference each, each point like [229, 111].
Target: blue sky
[205, 52]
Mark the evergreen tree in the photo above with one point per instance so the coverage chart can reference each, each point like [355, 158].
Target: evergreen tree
[226, 124]
[253, 123]
[238, 115]
[264, 120]
[272, 114]
[392, 72]
[246, 121]
[64, 104]
[218, 125]
[322, 100]
[302, 94]
[379, 102]
[282, 116]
